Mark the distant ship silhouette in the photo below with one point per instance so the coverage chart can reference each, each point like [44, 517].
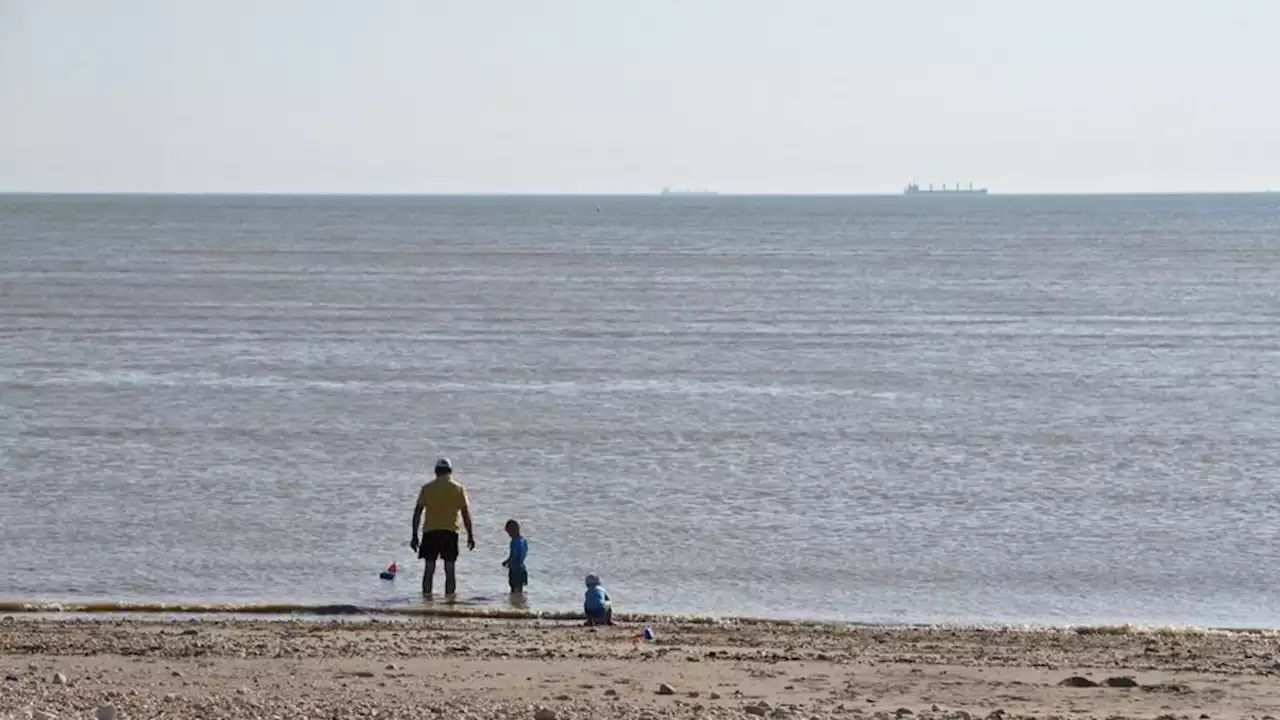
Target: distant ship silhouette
[914, 189]
[673, 192]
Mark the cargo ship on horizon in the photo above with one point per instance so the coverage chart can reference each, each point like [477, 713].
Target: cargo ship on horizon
[914, 189]
[673, 192]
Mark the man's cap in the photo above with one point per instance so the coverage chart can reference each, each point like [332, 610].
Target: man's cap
[444, 464]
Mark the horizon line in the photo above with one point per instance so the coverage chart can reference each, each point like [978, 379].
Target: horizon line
[710, 195]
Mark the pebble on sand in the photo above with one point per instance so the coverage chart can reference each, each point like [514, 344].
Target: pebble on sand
[106, 712]
[1078, 682]
[544, 714]
[59, 679]
[665, 689]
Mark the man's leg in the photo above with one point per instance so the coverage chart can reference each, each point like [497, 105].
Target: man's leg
[450, 579]
[449, 554]
[428, 577]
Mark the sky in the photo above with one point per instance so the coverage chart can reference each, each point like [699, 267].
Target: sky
[602, 96]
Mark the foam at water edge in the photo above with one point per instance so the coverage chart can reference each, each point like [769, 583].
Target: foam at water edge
[295, 610]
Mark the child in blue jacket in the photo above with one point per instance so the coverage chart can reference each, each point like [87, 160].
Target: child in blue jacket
[596, 605]
[517, 572]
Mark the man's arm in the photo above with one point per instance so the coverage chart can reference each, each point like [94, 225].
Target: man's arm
[466, 522]
[417, 518]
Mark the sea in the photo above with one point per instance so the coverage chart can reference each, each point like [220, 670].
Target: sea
[1010, 410]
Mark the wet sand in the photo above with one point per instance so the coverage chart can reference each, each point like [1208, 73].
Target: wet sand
[494, 668]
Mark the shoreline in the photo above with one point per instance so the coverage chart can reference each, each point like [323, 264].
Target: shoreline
[486, 667]
[287, 611]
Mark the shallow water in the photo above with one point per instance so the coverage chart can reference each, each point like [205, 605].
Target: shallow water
[1000, 409]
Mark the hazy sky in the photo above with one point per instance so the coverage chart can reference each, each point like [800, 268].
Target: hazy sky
[610, 96]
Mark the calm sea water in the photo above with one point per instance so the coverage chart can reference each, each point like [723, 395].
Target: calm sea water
[1001, 409]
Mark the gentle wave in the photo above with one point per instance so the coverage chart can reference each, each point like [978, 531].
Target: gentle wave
[449, 610]
[463, 611]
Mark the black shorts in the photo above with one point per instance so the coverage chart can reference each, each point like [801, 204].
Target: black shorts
[442, 544]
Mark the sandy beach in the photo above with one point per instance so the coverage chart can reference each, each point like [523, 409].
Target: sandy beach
[493, 668]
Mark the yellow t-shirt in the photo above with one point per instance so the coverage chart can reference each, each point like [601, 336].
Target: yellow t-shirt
[441, 499]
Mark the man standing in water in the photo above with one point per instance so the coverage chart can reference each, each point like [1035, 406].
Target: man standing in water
[441, 500]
